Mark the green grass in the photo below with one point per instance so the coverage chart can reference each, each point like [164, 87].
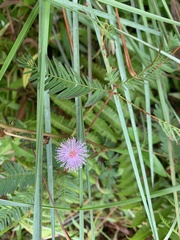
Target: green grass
[117, 89]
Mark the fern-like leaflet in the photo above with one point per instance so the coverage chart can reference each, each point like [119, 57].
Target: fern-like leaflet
[172, 132]
[16, 178]
[64, 81]
[9, 215]
[67, 84]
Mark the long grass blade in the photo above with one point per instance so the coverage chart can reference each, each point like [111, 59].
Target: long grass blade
[19, 39]
[44, 14]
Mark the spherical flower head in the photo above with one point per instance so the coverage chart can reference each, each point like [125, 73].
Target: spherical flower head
[72, 154]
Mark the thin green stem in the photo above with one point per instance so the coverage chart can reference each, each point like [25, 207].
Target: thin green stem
[44, 12]
[148, 106]
[141, 12]
[79, 115]
[47, 121]
[145, 198]
[162, 92]
[166, 7]
[89, 40]
[123, 123]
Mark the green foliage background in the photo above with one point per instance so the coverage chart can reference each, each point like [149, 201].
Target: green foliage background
[129, 188]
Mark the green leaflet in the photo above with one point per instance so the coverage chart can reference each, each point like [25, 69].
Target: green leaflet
[8, 216]
[65, 83]
[16, 178]
[63, 124]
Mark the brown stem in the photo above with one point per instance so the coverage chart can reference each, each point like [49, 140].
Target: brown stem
[68, 29]
[127, 57]
[110, 95]
[57, 214]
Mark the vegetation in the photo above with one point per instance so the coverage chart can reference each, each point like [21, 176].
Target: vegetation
[107, 73]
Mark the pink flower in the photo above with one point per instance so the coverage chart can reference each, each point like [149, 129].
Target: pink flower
[72, 154]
